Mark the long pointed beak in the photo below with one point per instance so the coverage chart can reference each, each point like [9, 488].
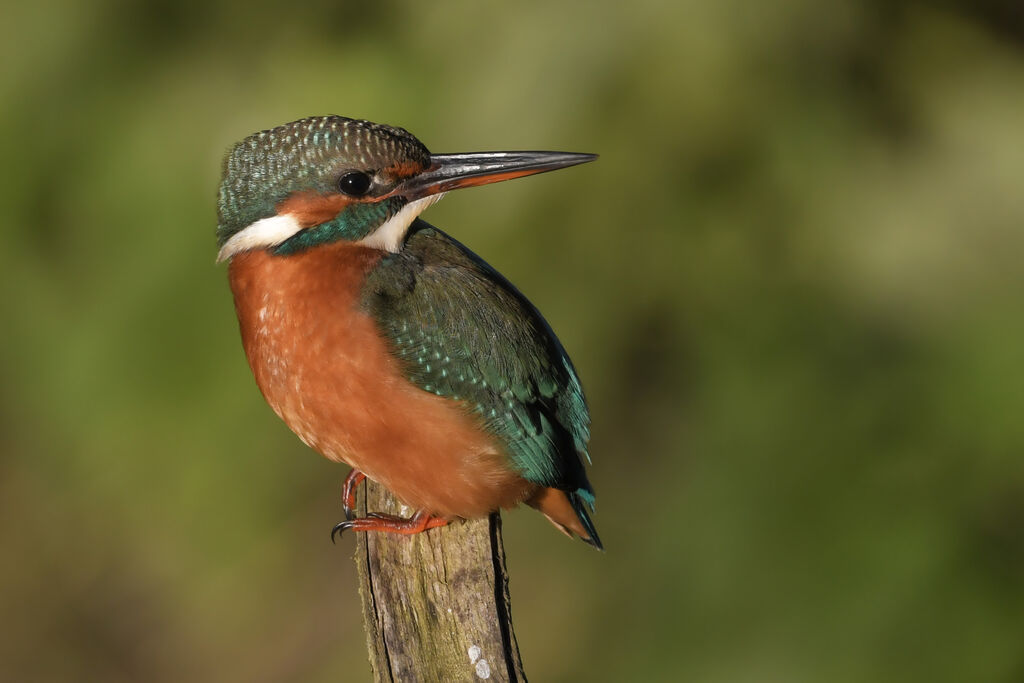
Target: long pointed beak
[452, 171]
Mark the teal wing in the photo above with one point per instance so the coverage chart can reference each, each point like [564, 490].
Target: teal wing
[464, 332]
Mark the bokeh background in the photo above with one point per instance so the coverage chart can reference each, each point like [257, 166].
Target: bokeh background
[792, 285]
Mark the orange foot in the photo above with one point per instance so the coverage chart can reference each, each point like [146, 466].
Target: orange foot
[348, 492]
[374, 521]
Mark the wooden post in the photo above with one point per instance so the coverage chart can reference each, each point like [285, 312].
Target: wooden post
[436, 605]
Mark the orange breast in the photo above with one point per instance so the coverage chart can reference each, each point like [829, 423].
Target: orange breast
[323, 367]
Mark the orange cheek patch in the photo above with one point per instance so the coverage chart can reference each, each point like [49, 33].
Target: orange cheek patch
[311, 208]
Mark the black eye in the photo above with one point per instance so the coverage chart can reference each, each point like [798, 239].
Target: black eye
[355, 184]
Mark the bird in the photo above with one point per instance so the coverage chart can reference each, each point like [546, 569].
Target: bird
[385, 344]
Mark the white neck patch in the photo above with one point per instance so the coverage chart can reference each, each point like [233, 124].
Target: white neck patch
[273, 230]
[266, 232]
[389, 237]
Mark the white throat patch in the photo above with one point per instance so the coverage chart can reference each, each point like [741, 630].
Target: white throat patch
[389, 237]
[266, 232]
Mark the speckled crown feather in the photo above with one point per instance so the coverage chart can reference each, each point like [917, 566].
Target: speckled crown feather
[309, 154]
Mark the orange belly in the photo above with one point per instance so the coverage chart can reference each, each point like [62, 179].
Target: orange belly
[325, 370]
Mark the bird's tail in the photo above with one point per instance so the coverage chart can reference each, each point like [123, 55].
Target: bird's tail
[580, 500]
[567, 510]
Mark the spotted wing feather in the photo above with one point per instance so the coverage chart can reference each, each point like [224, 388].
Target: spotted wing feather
[464, 332]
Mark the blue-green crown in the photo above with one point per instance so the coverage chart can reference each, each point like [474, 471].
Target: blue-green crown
[308, 154]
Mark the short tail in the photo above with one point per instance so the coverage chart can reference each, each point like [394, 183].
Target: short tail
[567, 510]
[580, 500]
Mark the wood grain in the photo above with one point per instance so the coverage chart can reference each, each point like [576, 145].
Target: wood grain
[436, 605]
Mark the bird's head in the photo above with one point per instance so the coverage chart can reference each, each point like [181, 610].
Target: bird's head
[328, 178]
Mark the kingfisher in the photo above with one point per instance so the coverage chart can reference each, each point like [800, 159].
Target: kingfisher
[383, 342]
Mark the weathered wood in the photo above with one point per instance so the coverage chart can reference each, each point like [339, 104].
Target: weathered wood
[436, 605]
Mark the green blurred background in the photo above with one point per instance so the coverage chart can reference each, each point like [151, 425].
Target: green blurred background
[791, 284]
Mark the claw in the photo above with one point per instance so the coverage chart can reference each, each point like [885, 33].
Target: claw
[340, 528]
